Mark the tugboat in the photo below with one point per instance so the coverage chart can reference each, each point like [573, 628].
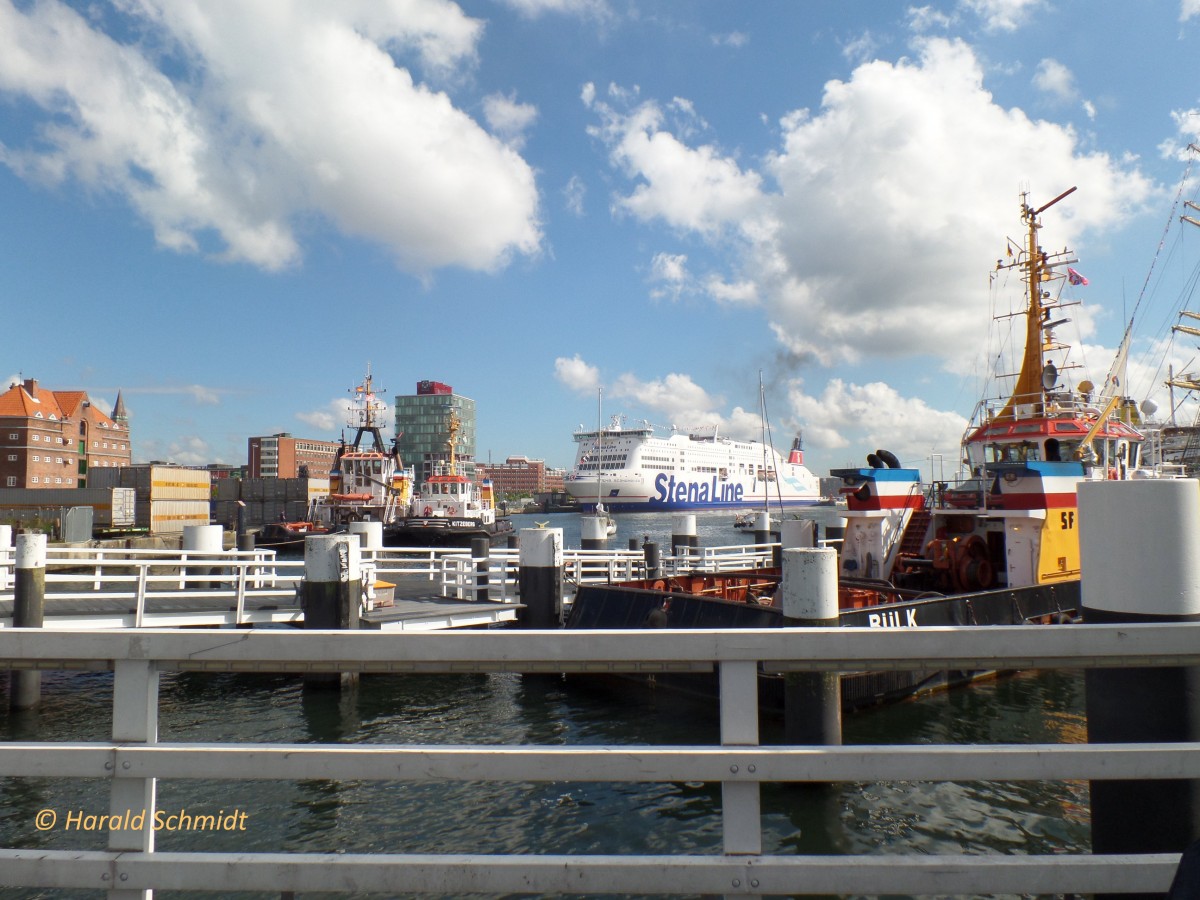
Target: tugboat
[1000, 548]
[449, 510]
[368, 481]
[284, 536]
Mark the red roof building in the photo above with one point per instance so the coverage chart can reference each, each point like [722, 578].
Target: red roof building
[49, 439]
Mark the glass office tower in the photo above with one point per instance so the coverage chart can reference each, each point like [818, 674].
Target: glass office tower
[423, 429]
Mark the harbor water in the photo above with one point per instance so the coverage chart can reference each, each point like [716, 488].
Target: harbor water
[553, 818]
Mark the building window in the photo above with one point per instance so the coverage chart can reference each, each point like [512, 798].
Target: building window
[37, 459]
[37, 437]
[12, 457]
[12, 480]
[34, 479]
[14, 437]
[58, 481]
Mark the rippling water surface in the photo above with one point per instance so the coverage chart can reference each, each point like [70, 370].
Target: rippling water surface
[364, 816]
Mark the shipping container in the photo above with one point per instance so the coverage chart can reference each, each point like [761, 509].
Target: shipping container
[171, 516]
[112, 507]
[228, 489]
[156, 482]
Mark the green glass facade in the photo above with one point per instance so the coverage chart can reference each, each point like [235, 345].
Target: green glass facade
[422, 422]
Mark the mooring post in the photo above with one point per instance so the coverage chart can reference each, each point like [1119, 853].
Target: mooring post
[29, 609]
[653, 559]
[481, 551]
[540, 577]
[1156, 582]
[762, 528]
[793, 533]
[593, 532]
[684, 540]
[244, 540]
[205, 540]
[332, 592]
[812, 700]
[369, 534]
[6, 557]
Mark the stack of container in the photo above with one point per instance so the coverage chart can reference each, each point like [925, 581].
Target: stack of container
[266, 499]
[168, 497]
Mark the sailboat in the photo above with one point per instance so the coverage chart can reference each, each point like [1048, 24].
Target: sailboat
[606, 522]
[1172, 442]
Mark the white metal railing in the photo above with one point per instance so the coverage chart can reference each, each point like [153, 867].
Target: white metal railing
[139, 577]
[133, 760]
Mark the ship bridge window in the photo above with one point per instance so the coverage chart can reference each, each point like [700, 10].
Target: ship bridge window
[1013, 452]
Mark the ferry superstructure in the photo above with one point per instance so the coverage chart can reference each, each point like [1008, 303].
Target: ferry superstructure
[632, 469]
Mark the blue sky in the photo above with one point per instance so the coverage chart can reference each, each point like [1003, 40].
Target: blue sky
[227, 210]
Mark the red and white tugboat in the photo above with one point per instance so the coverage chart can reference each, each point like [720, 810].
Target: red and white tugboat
[1014, 522]
[368, 481]
[449, 509]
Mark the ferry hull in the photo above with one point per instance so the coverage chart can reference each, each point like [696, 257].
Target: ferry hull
[665, 494]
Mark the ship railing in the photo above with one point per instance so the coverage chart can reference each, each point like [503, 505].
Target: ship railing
[734, 856]
[720, 559]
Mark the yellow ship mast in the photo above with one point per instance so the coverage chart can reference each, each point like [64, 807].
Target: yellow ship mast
[1031, 383]
[452, 426]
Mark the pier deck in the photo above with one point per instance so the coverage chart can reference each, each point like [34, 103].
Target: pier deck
[416, 607]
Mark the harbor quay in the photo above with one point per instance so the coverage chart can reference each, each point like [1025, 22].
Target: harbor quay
[738, 841]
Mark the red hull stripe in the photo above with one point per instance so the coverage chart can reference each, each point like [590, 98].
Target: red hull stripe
[1040, 501]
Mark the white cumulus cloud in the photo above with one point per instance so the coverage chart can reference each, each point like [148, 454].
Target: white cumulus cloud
[576, 374]
[227, 122]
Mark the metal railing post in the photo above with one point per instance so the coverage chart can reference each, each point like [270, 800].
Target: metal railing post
[140, 608]
[741, 820]
[132, 800]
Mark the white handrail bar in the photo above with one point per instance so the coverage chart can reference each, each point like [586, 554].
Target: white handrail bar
[739, 764]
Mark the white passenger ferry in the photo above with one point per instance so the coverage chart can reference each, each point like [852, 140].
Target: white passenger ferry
[632, 470]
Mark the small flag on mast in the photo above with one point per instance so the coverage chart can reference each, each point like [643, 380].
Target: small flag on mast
[1075, 278]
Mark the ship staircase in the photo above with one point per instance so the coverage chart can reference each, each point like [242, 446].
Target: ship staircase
[916, 532]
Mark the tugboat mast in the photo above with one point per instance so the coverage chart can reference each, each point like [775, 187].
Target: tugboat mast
[1028, 394]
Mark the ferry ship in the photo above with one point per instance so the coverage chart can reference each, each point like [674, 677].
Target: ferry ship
[635, 470]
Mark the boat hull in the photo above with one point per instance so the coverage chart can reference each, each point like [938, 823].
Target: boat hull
[435, 531]
[625, 607]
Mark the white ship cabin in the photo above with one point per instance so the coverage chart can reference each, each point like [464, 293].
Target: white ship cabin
[362, 473]
[1108, 447]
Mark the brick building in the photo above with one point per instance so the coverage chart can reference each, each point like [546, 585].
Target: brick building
[50, 439]
[521, 476]
[283, 456]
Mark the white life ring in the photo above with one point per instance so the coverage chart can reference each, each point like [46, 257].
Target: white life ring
[428, 510]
